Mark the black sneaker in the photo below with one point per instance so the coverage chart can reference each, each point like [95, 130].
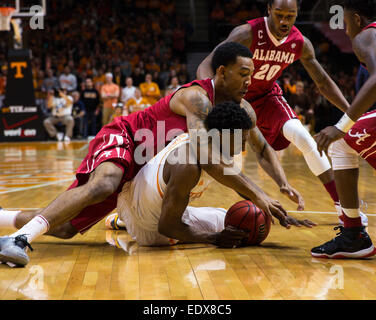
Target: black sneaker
[350, 243]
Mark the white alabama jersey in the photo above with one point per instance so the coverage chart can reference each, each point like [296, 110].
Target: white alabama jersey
[141, 199]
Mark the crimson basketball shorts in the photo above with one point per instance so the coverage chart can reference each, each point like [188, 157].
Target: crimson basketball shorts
[362, 137]
[113, 143]
[273, 112]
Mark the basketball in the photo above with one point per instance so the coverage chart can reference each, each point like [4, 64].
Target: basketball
[246, 216]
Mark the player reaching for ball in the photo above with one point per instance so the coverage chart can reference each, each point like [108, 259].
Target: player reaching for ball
[154, 205]
[276, 43]
[349, 139]
[112, 161]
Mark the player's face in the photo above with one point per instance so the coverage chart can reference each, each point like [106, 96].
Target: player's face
[237, 78]
[353, 22]
[282, 15]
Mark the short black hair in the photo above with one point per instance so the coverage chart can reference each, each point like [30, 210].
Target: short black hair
[365, 8]
[227, 53]
[298, 2]
[228, 115]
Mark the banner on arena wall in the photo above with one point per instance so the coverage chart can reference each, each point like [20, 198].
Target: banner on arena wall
[21, 118]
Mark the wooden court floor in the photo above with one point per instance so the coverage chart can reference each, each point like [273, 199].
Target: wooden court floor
[108, 265]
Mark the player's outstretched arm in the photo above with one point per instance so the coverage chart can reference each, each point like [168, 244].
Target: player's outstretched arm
[182, 179]
[241, 34]
[326, 85]
[268, 160]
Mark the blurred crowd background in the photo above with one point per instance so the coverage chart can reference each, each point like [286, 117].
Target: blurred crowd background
[112, 60]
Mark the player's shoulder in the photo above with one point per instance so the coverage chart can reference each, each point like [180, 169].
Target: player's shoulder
[365, 38]
[241, 34]
[364, 44]
[193, 92]
[308, 51]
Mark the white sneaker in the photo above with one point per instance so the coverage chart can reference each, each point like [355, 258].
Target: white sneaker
[67, 139]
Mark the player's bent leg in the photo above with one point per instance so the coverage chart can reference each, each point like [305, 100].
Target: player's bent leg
[102, 183]
[345, 163]
[353, 241]
[294, 132]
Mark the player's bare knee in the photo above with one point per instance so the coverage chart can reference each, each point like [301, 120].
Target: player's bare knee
[100, 191]
[104, 182]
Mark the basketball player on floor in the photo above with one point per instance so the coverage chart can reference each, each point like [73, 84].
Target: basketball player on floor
[276, 43]
[353, 135]
[112, 156]
[154, 205]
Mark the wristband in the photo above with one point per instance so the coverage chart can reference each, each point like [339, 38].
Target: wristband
[345, 123]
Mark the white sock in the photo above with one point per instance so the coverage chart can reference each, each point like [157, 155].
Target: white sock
[352, 213]
[8, 218]
[33, 229]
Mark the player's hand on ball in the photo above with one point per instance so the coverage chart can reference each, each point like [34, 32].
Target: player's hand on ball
[231, 237]
[293, 195]
[326, 136]
[271, 208]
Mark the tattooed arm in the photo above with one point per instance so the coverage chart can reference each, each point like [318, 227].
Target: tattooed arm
[326, 85]
[268, 160]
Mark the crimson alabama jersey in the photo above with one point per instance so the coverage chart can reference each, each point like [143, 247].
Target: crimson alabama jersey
[271, 57]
